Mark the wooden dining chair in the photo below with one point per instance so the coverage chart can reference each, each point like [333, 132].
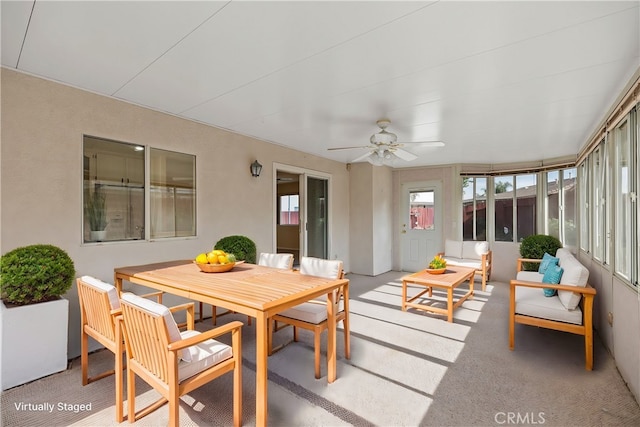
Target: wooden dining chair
[99, 318]
[100, 315]
[312, 315]
[173, 362]
[283, 261]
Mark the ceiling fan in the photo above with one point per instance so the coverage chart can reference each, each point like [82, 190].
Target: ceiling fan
[385, 148]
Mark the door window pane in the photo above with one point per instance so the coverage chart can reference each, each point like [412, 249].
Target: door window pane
[422, 210]
[290, 209]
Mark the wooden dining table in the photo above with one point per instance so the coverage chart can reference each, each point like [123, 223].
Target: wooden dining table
[256, 291]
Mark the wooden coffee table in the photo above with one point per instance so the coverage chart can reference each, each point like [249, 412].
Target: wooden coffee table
[449, 280]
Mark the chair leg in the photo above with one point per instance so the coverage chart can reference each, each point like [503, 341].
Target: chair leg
[316, 352]
[119, 388]
[588, 348]
[201, 313]
[131, 394]
[84, 358]
[174, 406]
[347, 336]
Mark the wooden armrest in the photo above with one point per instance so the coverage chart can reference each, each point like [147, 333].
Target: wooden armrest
[186, 306]
[587, 290]
[157, 294]
[116, 312]
[209, 334]
[191, 313]
[523, 260]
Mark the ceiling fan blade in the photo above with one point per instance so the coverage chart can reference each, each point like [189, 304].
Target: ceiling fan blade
[423, 143]
[349, 148]
[364, 156]
[405, 155]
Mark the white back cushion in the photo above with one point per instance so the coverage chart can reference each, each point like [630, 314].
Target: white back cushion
[453, 248]
[111, 290]
[160, 310]
[562, 254]
[474, 250]
[283, 261]
[574, 274]
[329, 269]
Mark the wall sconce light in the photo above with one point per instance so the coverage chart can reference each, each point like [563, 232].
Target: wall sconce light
[256, 168]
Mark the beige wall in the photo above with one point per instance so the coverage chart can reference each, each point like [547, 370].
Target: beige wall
[42, 128]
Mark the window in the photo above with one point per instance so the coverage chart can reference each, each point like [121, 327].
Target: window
[512, 225]
[585, 224]
[115, 189]
[561, 206]
[172, 194]
[599, 173]
[474, 208]
[289, 209]
[625, 175]
[503, 202]
[422, 210]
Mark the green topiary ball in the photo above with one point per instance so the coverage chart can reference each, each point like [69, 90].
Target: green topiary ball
[535, 246]
[241, 246]
[36, 273]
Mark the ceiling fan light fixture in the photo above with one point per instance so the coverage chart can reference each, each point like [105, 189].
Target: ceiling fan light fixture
[382, 157]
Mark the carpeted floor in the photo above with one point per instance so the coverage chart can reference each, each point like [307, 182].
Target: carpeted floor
[407, 369]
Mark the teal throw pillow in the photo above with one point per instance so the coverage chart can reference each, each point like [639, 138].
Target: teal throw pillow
[547, 260]
[552, 276]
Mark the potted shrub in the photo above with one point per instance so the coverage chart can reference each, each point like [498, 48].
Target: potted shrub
[96, 211]
[35, 317]
[241, 246]
[534, 247]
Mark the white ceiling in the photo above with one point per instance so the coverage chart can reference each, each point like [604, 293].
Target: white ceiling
[498, 82]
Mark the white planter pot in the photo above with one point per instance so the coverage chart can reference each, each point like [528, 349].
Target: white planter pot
[33, 341]
[98, 236]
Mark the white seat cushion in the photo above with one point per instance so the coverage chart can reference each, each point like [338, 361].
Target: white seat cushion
[532, 302]
[462, 262]
[203, 356]
[307, 312]
[453, 248]
[160, 310]
[329, 269]
[111, 290]
[283, 261]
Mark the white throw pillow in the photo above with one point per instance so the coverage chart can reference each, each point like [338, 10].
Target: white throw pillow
[111, 290]
[160, 310]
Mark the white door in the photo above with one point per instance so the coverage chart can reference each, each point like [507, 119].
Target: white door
[420, 223]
